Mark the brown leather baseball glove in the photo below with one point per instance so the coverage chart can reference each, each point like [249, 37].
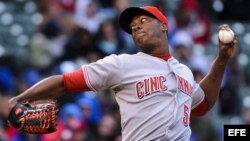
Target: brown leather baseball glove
[34, 118]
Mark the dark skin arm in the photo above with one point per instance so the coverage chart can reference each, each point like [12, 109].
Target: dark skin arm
[212, 81]
[48, 88]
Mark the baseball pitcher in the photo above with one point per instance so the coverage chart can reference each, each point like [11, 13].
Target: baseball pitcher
[156, 94]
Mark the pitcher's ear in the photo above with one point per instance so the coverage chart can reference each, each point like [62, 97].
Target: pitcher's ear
[164, 26]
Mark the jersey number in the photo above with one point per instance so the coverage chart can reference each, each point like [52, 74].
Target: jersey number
[186, 115]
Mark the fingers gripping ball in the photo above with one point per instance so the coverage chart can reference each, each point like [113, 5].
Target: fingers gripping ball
[34, 118]
[226, 36]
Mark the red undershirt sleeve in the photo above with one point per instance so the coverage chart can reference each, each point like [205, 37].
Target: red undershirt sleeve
[75, 81]
[200, 110]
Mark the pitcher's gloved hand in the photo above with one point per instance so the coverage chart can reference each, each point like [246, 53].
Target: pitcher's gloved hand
[34, 118]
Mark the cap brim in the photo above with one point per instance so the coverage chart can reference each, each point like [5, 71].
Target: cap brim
[128, 14]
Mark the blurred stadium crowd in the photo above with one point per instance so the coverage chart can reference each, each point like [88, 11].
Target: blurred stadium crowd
[45, 37]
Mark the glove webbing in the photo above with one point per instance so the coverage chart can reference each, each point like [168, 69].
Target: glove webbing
[39, 121]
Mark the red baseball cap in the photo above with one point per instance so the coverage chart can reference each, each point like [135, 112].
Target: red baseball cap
[128, 14]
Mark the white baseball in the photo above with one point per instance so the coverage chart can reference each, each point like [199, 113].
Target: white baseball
[226, 36]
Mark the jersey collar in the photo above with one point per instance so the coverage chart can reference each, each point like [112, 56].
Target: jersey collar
[163, 56]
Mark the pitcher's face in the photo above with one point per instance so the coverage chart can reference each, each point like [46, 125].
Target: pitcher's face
[146, 31]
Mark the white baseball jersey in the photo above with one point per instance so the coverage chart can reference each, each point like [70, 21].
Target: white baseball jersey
[155, 96]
